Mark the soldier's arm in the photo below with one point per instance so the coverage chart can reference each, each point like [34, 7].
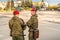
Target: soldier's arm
[29, 23]
[23, 24]
[10, 25]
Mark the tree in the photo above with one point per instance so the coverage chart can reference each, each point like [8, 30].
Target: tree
[10, 4]
[27, 4]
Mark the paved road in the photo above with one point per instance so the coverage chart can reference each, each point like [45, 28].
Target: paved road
[48, 30]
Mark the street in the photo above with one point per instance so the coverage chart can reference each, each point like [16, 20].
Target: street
[49, 26]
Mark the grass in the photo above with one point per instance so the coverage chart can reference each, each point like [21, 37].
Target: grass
[6, 10]
[26, 8]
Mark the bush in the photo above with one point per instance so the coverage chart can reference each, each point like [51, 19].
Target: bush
[37, 7]
[0, 8]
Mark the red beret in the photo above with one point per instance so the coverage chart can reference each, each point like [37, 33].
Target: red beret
[33, 9]
[16, 12]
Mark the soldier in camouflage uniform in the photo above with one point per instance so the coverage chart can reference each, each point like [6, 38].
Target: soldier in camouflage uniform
[32, 24]
[17, 27]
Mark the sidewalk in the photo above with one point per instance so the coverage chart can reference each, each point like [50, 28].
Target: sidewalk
[53, 20]
[46, 28]
[41, 17]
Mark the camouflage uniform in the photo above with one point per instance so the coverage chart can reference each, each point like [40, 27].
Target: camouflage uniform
[32, 24]
[15, 25]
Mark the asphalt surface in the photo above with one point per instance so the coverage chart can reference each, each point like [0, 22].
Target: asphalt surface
[49, 29]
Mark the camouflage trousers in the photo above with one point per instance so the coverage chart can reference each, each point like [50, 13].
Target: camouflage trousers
[31, 36]
[17, 38]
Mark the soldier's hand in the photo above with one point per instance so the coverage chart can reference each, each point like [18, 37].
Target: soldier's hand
[11, 35]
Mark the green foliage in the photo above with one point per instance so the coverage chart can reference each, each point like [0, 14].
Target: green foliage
[27, 8]
[37, 7]
[8, 5]
[27, 4]
[0, 8]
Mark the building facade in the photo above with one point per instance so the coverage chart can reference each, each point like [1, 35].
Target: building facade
[3, 5]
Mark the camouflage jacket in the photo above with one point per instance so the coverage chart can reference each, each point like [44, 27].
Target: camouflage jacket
[33, 22]
[15, 25]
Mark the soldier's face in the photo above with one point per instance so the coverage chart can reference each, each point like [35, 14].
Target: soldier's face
[33, 12]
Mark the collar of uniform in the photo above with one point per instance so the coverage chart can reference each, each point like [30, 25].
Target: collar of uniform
[34, 15]
[15, 18]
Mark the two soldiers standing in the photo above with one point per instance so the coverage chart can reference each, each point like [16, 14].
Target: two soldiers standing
[17, 26]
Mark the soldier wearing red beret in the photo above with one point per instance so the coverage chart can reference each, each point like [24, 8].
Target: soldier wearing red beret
[16, 26]
[33, 24]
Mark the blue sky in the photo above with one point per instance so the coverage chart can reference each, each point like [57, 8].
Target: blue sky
[49, 1]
